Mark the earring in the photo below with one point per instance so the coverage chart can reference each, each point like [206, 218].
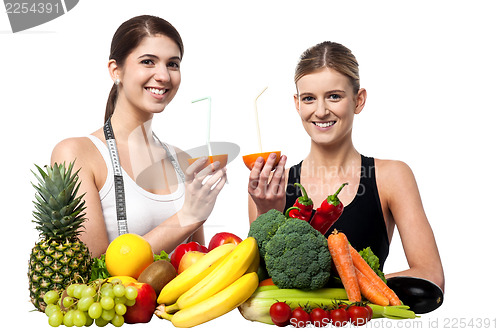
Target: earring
[117, 82]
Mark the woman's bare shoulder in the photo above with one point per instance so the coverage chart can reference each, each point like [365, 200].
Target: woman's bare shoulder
[394, 178]
[74, 148]
[392, 169]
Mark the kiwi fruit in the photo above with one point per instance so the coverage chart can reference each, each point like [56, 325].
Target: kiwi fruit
[158, 274]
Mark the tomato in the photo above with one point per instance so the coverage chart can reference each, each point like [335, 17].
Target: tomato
[358, 315]
[320, 317]
[339, 317]
[280, 313]
[300, 318]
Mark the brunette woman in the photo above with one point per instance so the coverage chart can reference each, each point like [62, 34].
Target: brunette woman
[132, 181]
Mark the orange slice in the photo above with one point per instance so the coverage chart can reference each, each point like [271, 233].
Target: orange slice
[222, 158]
[250, 159]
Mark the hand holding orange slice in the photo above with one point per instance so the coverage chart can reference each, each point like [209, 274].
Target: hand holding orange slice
[250, 159]
[221, 158]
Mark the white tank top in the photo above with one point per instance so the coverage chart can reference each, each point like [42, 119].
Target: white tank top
[145, 210]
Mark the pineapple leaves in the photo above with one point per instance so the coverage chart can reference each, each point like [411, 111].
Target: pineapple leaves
[58, 212]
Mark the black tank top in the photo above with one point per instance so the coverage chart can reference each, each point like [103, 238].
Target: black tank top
[362, 220]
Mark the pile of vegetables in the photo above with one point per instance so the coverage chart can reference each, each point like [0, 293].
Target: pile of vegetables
[298, 259]
[258, 307]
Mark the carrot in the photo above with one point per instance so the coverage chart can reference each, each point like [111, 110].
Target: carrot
[266, 282]
[339, 249]
[370, 291]
[365, 269]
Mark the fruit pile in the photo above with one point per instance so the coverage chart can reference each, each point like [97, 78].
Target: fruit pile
[124, 284]
[215, 284]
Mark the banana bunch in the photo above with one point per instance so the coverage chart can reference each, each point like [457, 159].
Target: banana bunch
[217, 283]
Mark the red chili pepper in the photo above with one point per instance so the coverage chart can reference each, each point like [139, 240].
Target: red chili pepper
[328, 213]
[303, 207]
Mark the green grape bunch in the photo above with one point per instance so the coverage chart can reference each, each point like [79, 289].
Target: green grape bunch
[100, 302]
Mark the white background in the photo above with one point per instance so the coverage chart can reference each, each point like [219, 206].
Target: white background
[431, 69]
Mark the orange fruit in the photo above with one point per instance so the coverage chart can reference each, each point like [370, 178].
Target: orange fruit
[222, 158]
[128, 255]
[250, 159]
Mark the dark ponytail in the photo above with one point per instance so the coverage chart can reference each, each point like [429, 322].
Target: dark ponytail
[128, 36]
[110, 105]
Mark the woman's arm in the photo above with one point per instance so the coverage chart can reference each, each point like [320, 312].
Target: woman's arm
[400, 193]
[82, 152]
[199, 201]
[199, 236]
[266, 188]
[203, 185]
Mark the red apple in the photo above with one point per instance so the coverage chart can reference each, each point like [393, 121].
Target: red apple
[223, 238]
[145, 304]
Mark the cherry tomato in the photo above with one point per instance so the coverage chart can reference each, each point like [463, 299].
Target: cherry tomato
[320, 317]
[339, 317]
[300, 318]
[358, 315]
[280, 313]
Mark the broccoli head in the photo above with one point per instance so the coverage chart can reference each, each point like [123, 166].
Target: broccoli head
[264, 228]
[297, 256]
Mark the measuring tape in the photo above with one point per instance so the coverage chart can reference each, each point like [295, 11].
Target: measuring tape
[121, 213]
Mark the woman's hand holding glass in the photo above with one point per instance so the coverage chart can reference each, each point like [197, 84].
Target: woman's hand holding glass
[203, 185]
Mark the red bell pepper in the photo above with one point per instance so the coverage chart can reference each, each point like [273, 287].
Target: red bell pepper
[328, 213]
[181, 249]
[303, 206]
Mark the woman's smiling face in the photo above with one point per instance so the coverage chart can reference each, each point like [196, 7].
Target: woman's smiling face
[326, 103]
[150, 76]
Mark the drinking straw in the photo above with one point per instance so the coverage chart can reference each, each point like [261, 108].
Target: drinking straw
[257, 119]
[208, 122]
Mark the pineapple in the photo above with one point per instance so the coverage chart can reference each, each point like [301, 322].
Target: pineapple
[59, 258]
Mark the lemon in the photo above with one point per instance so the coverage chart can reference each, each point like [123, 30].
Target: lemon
[128, 255]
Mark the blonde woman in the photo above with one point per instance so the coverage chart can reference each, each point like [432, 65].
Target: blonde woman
[380, 195]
